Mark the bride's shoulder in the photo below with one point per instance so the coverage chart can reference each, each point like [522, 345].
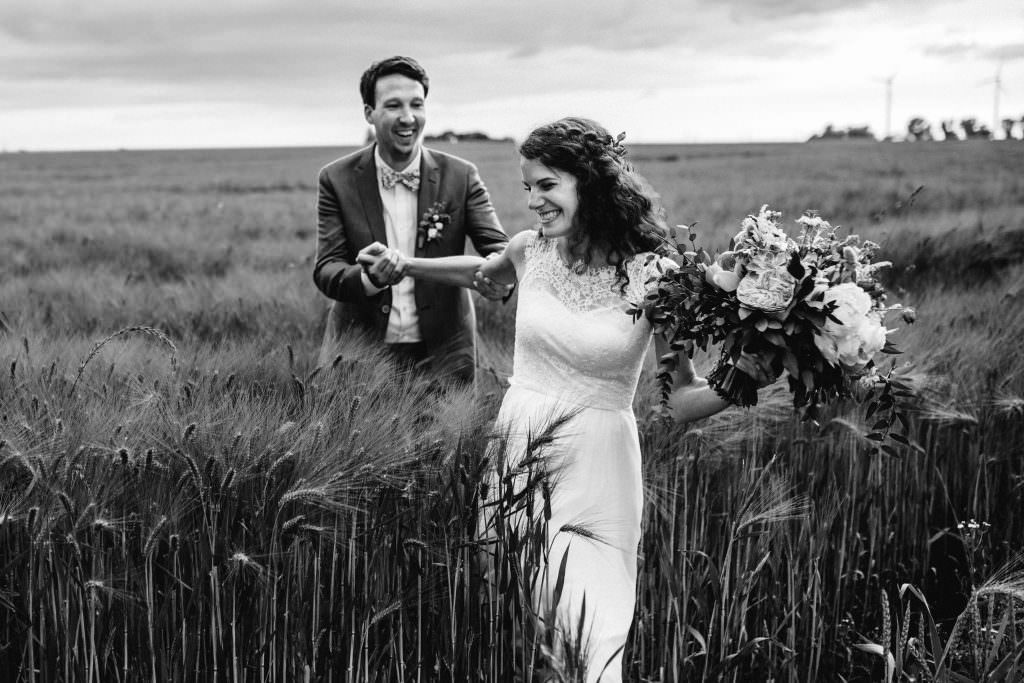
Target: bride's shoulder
[520, 244]
[522, 240]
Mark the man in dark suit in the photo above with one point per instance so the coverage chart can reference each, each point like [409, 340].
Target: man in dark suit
[416, 201]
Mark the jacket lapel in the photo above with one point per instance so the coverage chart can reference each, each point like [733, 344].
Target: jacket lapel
[430, 187]
[369, 194]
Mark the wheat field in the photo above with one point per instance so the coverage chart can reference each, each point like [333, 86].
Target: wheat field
[186, 497]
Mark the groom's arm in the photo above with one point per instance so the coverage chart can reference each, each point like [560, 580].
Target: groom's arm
[335, 272]
[482, 225]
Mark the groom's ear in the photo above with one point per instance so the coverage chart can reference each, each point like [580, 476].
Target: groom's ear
[367, 112]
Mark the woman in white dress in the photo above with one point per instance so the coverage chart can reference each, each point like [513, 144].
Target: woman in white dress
[599, 245]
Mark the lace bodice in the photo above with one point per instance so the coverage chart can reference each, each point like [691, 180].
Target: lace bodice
[574, 339]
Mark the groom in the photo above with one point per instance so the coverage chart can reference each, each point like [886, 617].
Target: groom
[417, 201]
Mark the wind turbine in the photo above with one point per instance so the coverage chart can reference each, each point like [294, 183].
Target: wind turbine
[997, 88]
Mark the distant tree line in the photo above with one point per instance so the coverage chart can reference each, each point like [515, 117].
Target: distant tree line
[472, 136]
[920, 130]
[848, 133]
[448, 136]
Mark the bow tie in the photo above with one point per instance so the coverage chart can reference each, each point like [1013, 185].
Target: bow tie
[389, 177]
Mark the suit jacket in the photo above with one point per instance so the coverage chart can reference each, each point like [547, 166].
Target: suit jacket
[350, 216]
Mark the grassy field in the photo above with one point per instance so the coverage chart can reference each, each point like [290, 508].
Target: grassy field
[194, 500]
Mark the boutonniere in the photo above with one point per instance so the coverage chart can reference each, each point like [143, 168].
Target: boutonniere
[432, 225]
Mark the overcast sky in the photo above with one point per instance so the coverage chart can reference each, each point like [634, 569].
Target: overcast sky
[109, 74]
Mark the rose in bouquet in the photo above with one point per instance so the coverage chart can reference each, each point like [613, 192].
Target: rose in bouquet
[811, 306]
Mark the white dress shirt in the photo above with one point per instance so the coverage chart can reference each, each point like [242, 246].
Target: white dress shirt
[400, 204]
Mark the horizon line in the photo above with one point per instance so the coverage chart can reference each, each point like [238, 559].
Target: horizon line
[86, 150]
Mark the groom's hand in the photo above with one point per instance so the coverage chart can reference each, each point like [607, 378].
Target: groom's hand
[383, 266]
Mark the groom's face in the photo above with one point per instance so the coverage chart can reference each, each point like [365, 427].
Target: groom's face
[398, 115]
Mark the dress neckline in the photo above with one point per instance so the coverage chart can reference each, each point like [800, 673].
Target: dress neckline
[579, 267]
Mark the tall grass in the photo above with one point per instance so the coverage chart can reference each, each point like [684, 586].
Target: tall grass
[225, 510]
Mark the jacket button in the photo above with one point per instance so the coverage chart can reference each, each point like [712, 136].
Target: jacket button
[385, 309]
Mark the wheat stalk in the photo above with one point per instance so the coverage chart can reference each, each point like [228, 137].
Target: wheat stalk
[141, 329]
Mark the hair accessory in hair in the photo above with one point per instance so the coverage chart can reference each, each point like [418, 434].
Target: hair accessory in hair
[606, 143]
[596, 143]
[615, 145]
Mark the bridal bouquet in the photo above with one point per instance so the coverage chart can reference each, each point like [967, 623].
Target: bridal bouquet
[813, 306]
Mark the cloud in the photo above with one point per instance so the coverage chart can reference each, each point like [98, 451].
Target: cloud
[1006, 52]
[779, 9]
[655, 60]
[232, 50]
[277, 40]
[952, 50]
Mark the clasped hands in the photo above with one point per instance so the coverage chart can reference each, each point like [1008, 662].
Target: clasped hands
[385, 266]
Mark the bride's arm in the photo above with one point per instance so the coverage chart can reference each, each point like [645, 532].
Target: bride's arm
[458, 271]
[691, 398]
[503, 269]
[445, 270]
[462, 271]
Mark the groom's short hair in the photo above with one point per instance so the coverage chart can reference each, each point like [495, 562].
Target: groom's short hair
[405, 66]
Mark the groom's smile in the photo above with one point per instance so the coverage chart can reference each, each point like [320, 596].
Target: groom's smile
[398, 117]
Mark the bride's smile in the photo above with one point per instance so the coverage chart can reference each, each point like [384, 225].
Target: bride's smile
[548, 216]
[553, 197]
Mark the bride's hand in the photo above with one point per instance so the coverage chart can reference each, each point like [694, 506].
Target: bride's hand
[685, 373]
[759, 367]
[489, 287]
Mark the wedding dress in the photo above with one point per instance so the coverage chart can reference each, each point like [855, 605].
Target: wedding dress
[578, 353]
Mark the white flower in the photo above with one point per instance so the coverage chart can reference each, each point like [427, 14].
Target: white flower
[726, 280]
[858, 336]
[810, 222]
[848, 350]
[762, 233]
[816, 232]
[432, 234]
[728, 261]
[725, 272]
[872, 332]
[767, 286]
[851, 301]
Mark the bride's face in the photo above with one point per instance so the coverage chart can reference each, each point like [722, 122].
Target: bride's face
[552, 195]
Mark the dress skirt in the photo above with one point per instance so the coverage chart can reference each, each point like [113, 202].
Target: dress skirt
[592, 461]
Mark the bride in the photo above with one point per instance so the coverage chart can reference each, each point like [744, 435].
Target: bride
[599, 244]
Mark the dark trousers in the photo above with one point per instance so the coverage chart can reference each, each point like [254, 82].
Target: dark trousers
[412, 355]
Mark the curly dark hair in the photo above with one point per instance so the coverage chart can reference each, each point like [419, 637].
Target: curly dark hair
[619, 214]
[406, 66]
